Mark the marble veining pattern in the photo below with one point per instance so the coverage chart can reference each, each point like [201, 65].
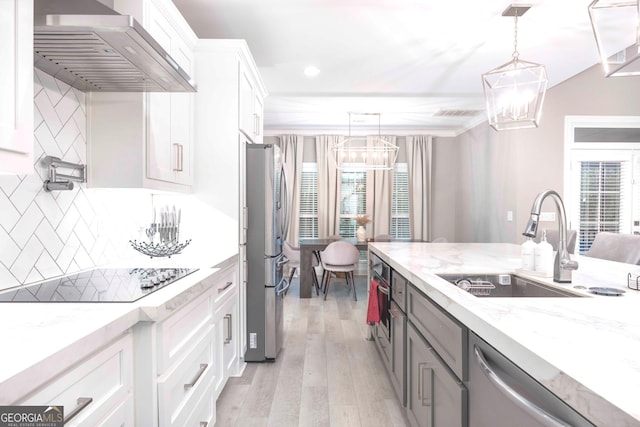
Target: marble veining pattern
[585, 350]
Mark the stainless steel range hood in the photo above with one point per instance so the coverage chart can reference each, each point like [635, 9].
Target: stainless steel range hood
[95, 49]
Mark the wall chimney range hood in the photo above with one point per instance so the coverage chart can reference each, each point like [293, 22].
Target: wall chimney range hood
[95, 49]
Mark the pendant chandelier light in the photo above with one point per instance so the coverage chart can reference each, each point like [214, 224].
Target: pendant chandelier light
[616, 26]
[362, 152]
[514, 92]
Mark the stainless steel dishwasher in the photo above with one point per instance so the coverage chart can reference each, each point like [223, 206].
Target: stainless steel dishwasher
[502, 394]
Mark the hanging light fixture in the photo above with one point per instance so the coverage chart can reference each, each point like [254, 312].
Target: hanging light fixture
[616, 26]
[361, 152]
[514, 92]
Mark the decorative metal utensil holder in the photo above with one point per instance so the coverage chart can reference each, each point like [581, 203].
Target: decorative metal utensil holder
[159, 250]
[168, 235]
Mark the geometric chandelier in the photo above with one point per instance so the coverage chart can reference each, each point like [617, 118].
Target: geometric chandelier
[365, 152]
[616, 27]
[514, 92]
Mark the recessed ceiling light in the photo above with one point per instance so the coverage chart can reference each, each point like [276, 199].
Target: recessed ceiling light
[311, 71]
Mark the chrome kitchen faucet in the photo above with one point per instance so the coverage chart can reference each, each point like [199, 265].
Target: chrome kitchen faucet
[563, 264]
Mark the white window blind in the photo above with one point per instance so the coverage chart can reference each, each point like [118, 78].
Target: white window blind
[308, 201]
[603, 200]
[353, 200]
[400, 228]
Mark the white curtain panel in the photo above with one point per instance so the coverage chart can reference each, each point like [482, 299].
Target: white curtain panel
[419, 166]
[291, 147]
[379, 194]
[328, 186]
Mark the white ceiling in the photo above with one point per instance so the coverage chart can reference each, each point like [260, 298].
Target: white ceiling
[409, 60]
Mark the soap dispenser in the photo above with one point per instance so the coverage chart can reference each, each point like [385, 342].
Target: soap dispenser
[543, 255]
[527, 253]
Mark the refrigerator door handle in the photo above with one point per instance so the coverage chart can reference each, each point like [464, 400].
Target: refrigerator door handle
[282, 286]
[283, 260]
[284, 205]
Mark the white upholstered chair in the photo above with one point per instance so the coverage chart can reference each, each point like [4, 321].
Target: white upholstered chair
[383, 238]
[293, 254]
[339, 257]
[616, 247]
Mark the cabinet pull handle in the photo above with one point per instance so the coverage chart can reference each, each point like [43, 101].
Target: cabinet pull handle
[422, 368]
[513, 395]
[383, 289]
[256, 124]
[179, 157]
[203, 367]
[226, 286]
[229, 337]
[83, 402]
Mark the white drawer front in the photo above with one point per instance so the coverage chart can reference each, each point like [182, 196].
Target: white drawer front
[120, 416]
[204, 413]
[181, 387]
[226, 284]
[106, 378]
[177, 332]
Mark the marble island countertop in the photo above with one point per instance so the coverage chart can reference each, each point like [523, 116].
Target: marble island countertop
[41, 339]
[585, 350]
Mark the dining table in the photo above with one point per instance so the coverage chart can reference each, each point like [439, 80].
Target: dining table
[307, 249]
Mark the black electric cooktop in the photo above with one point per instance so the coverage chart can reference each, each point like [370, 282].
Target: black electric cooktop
[98, 285]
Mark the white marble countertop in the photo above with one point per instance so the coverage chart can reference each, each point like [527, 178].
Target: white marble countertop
[585, 350]
[39, 340]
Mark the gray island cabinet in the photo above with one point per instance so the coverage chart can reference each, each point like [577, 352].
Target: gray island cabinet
[460, 372]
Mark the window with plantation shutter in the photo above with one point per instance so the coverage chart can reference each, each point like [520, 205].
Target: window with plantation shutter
[309, 201]
[353, 200]
[400, 203]
[603, 199]
[602, 176]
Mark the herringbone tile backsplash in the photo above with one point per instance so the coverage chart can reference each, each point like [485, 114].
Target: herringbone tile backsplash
[47, 234]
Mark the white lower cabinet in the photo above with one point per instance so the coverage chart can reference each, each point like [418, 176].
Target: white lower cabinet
[97, 391]
[228, 327]
[183, 386]
[183, 362]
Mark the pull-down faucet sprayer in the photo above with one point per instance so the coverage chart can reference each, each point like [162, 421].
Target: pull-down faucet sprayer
[563, 264]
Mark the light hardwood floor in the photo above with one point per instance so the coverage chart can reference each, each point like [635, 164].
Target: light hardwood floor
[327, 373]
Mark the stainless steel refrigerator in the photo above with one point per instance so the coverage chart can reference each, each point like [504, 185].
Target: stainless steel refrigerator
[266, 227]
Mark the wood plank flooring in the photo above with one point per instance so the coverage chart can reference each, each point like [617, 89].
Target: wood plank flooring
[327, 373]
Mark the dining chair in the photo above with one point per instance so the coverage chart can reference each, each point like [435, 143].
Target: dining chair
[339, 257]
[616, 247]
[383, 238]
[293, 254]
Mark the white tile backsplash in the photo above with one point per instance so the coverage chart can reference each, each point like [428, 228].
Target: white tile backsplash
[48, 234]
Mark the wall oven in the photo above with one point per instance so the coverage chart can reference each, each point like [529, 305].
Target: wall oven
[380, 272]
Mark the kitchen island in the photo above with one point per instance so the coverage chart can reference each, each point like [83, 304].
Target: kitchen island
[584, 350]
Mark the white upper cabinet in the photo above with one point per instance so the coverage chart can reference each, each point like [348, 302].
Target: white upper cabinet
[251, 99]
[16, 86]
[145, 140]
[228, 81]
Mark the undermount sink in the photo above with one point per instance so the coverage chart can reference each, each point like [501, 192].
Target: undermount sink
[504, 286]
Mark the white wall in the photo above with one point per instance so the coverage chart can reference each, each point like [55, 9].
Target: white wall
[500, 171]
